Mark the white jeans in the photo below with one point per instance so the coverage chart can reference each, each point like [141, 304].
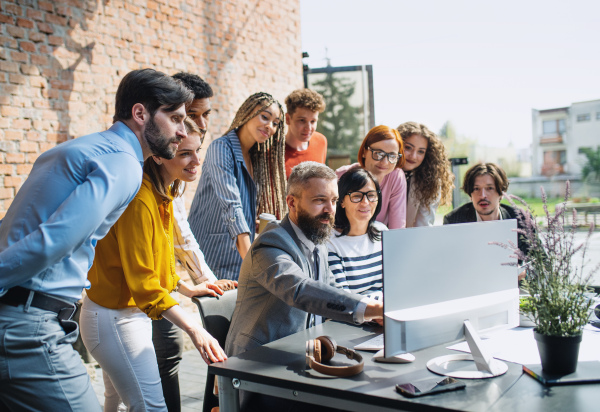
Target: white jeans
[121, 341]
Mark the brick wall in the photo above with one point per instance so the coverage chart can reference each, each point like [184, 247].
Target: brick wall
[61, 63]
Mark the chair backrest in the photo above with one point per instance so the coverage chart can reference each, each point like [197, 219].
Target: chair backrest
[216, 313]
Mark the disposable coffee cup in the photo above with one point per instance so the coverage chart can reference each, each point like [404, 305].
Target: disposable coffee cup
[264, 220]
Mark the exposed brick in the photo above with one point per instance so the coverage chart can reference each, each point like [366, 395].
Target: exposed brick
[6, 19]
[52, 88]
[14, 31]
[6, 169]
[54, 19]
[18, 56]
[36, 37]
[9, 111]
[23, 124]
[32, 157]
[39, 60]
[34, 14]
[55, 40]
[45, 5]
[8, 42]
[46, 146]
[13, 9]
[13, 135]
[45, 27]
[27, 46]
[6, 146]
[24, 169]
[12, 181]
[28, 147]
[15, 158]
[16, 78]
[29, 69]
[9, 67]
[28, 24]
[6, 193]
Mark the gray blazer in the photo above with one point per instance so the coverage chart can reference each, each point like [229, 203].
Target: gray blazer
[276, 291]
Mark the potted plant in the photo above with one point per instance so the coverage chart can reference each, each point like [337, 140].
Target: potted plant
[558, 303]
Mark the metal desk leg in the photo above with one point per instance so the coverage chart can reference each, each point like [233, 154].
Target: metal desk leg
[229, 397]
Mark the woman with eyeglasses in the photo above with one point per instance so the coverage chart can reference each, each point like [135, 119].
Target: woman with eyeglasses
[382, 154]
[428, 176]
[355, 246]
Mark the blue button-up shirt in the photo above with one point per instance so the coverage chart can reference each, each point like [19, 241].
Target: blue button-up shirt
[224, 206]
[73, 195]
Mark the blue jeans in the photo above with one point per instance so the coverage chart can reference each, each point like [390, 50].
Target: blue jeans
[39, 369]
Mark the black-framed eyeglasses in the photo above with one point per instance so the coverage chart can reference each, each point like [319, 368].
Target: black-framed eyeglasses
[357, 197]
[378, 155]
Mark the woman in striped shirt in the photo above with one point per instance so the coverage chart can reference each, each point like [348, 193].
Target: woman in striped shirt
[355, 245]
[243, 175]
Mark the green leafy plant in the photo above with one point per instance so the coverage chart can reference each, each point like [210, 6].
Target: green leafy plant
[558, 303]
[591, 168]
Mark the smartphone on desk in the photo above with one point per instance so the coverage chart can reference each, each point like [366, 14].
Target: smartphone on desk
[429, 386]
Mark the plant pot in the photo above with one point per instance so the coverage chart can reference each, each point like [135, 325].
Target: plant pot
[558, 354]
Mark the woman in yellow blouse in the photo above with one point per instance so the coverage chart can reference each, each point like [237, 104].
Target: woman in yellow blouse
[132, 277]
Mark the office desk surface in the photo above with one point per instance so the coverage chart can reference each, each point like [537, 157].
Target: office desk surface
[281, 366]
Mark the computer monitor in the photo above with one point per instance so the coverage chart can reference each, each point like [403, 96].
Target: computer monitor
[436, 278]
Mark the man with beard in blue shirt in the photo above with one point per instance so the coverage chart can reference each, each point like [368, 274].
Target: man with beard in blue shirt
[74, 194]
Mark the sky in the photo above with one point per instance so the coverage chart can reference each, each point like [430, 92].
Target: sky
[479, 64]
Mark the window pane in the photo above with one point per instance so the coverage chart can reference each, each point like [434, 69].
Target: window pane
[561, 126]
[549, 126]
[583, 117]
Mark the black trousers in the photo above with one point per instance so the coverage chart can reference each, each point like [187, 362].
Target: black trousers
[168, 345]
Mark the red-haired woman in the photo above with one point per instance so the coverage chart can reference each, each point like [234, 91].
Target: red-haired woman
[382, 154]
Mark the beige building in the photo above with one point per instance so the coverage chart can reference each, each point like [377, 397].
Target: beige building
[559, 135]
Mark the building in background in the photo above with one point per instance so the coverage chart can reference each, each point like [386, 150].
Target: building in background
[559, 135]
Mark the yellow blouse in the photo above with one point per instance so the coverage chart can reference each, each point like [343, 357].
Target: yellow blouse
[135, 264]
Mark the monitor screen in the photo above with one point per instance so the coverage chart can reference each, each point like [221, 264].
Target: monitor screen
[436, 277]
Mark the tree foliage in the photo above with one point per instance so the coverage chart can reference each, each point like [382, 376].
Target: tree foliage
[591, 168]
[340, 122]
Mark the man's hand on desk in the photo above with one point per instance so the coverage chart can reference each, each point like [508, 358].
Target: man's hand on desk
[374, 311]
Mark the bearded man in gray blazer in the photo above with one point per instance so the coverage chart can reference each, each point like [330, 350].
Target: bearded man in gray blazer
[285, 280]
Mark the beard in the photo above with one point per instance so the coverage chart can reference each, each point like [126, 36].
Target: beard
[159, 144]
[313, 229]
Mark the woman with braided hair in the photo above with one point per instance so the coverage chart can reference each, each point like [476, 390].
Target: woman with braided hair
[243, 175]
[428, 176]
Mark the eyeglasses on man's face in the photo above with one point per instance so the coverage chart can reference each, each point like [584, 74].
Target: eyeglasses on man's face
[380, 154]
[357, 197]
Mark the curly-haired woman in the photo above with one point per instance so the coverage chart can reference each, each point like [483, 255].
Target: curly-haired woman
[428, 176]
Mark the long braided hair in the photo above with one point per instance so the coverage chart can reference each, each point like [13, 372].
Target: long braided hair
[268, 158]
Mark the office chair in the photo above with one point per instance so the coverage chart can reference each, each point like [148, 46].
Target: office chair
[216, 316]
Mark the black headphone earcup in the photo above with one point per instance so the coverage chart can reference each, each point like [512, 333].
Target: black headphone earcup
[327, 348]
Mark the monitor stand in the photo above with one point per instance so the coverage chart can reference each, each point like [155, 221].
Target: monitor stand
[479, 365]
[402, 358]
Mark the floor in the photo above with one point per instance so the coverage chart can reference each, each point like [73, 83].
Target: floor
[192, 377]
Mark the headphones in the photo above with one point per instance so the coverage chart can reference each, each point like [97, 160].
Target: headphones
[322, 349]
